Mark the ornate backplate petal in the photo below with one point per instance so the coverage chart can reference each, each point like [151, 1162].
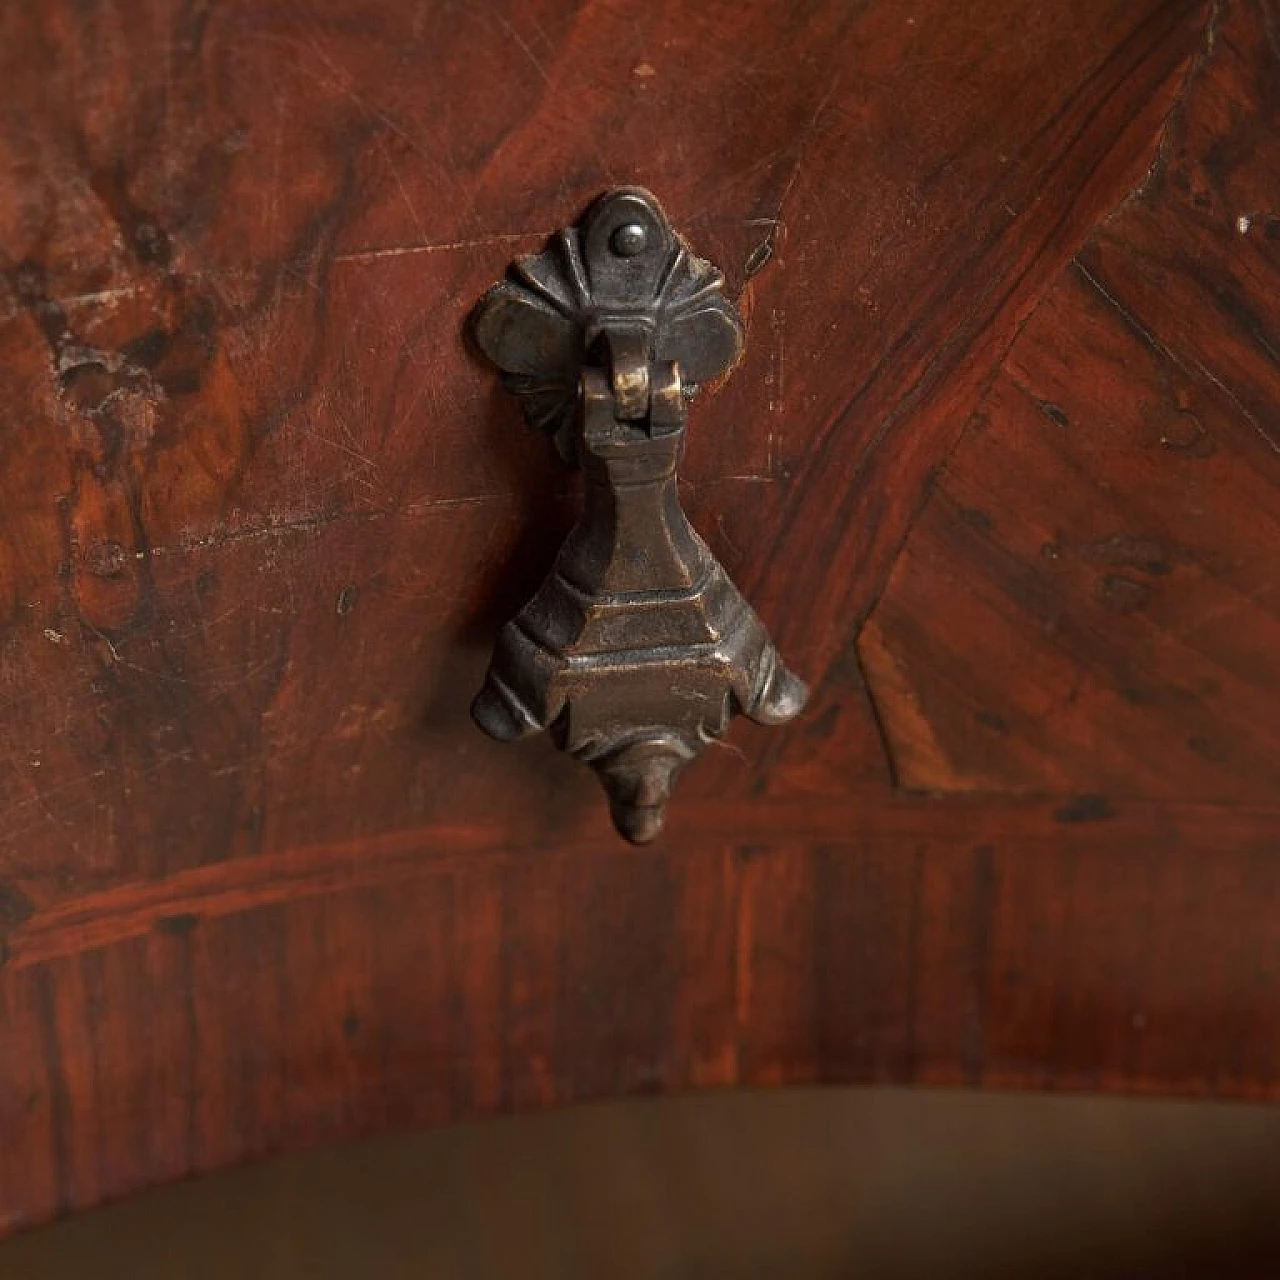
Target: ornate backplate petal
[537, 325]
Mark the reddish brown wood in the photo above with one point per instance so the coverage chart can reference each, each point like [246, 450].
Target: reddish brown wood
[261, 883]
[1103, 543]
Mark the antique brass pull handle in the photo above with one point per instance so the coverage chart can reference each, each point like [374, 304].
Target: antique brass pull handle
[637, 649]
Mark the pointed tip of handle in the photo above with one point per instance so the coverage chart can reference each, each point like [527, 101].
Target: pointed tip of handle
[640, 824]
[638, 780]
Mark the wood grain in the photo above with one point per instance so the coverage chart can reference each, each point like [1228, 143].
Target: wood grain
[271, 511]
[1103, 542]
[262, 885]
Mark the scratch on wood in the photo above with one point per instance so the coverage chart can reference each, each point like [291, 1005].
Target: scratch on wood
[444, 246]
[419, 226]
[341, 81]
[445, 504]
[303, 523]
[1160, 348]
[728, 541]
[777, 368]
[524, 47]
[1168, 125]
[763, 253]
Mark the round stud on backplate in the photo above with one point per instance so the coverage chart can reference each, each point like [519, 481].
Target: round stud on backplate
[629, 240]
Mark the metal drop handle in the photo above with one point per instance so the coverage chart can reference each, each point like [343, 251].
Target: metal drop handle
[637, 650]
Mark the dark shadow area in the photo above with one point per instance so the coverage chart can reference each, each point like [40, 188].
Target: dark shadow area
[544, 502]
[811, 1185]
[545, 498]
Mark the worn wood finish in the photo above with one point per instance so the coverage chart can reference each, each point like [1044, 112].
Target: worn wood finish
[1103, 543]
[262, 885]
